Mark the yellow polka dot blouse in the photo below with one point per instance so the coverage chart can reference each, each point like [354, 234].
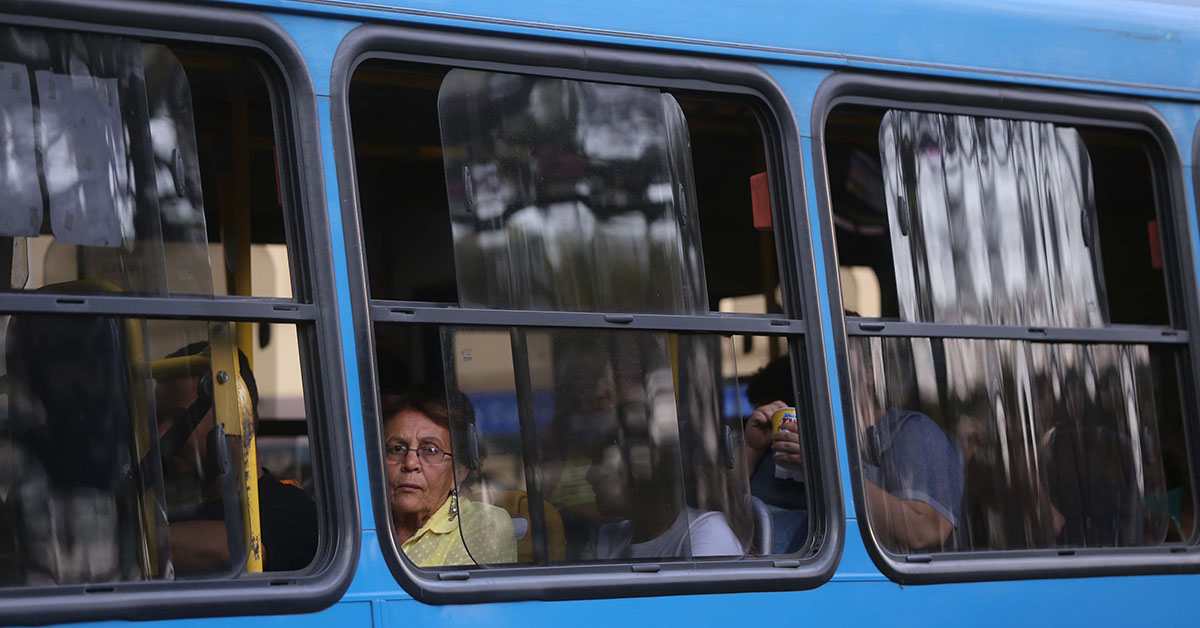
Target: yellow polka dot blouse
[488, 531]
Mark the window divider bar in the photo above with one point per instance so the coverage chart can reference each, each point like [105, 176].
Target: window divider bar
[199, 308]
[397, 312]
[529, 444]
[1124, 334]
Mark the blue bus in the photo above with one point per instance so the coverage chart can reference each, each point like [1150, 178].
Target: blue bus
[400, 312]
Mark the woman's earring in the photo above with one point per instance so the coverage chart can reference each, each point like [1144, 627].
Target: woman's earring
[454, 504]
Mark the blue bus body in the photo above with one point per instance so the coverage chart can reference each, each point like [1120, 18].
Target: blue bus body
[1136, 52]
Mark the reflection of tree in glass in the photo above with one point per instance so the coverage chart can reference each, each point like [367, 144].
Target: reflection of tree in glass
[177, 172]
[999, 217]
[568, 195]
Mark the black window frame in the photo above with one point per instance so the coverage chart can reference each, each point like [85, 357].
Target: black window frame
[313, 310]
[1045, 105]
[807, 569]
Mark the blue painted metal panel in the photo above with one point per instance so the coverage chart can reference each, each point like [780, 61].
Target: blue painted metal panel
[856, 564]
[349, 345]
[1137, 43]
[318, 39]
[343, 614]
[1060, 42]
[373, 580]
[799, 83]
[857, 594]
[1094, 602]
[1194, 229]
[1181, 118]
[821, 272]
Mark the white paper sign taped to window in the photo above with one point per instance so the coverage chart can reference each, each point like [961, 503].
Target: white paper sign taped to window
[20, 190]
[88, 173]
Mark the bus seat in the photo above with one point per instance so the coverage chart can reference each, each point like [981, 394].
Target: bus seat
[517, 505]
[764, 528]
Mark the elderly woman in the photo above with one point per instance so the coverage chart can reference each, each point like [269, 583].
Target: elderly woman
[434, 524]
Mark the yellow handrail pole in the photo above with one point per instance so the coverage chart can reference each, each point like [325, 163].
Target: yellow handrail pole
[233, 410]
[235, 236]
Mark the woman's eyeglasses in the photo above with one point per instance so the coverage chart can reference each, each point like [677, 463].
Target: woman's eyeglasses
[427, 454]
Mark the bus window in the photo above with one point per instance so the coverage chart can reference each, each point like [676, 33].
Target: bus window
[131, 476]
[406, 224]
[519, 224]
[128, 448]
[225, 172]
[1012, 366]
[584, 203]
[626, 465]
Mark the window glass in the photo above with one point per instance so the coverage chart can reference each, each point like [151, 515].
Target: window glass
[116, 161]
[246, 193]
[105, 172]
[1007, 443]
[621, 434]
[573, 402]
[552, 445]
[126, 444]
[776, 427]
[998, 214]
[114, 465]
[569, 195]
[1014, 445]
[402, 175]
[991, 221]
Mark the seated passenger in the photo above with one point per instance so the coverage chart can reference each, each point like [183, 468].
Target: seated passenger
[912, 480]
[646, 516]
[636, 477]
[613, 461]
[785, 497]
[287, 515]
[435, 525]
